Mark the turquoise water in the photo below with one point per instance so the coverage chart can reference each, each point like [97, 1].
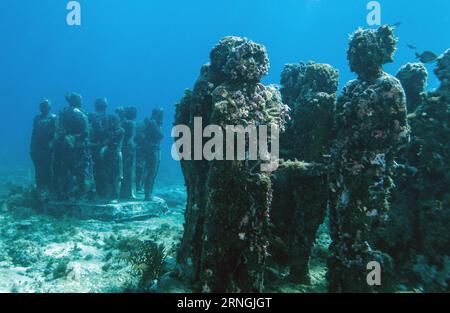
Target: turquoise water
[145, 53]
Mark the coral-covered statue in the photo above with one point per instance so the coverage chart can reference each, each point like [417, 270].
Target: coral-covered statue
[226, 231]
[413, 77]
[427, 199]
[371, 125]
[300, 199]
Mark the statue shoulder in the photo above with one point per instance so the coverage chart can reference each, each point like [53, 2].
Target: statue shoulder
[394, 81]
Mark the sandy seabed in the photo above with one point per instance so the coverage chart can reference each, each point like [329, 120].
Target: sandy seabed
[46, 254]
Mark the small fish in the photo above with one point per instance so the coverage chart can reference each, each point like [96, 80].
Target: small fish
[412, 47]
[426, 57]
[396, 25]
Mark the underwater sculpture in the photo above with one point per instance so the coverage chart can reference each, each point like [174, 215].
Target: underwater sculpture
[148, 140]
[413, 77]
[431, 130]
[42, 146]
[423, 199]
[371, 126]
[113, 159]
[300, 200]
[129, 154]
[401, 233]
[227, 216]
[94, 162]
[195, 103]
[98, 139]
[74, 178]
[139, 141]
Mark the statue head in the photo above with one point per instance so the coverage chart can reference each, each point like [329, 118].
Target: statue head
[238, 60]
[158, 115]
[413, 77]
[45, 106]
[120, 112]
[442, 70]
[370, 49]
[320, 77]
[130, 113]
[100, 105]
[74, 100]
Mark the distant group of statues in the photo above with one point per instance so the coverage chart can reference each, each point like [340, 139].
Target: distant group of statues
[81, 156]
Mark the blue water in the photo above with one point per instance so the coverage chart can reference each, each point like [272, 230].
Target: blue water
[146, 52]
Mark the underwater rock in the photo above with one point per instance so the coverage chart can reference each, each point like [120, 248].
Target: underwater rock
[371, 125]
[117, 212]
[413, 77]
[74, 178]
[175, 197]
[24, 252]
[43, 145]
[300, 200]
[224, 245]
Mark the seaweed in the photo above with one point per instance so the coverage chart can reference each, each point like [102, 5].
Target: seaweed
[147, 260]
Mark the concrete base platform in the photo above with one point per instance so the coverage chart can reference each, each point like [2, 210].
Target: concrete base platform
[118, 212]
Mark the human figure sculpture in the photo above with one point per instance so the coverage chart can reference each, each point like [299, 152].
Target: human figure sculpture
[73, 162]
[129, 154]
[99, 122]
[300, 201]
[113, 159]
[42, 146]
[371, 126]
[417, 234]
[227, 216]
[413, 77]
[151, 151]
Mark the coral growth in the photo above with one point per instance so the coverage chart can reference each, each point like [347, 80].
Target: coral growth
[147, 260]
[238, 60]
